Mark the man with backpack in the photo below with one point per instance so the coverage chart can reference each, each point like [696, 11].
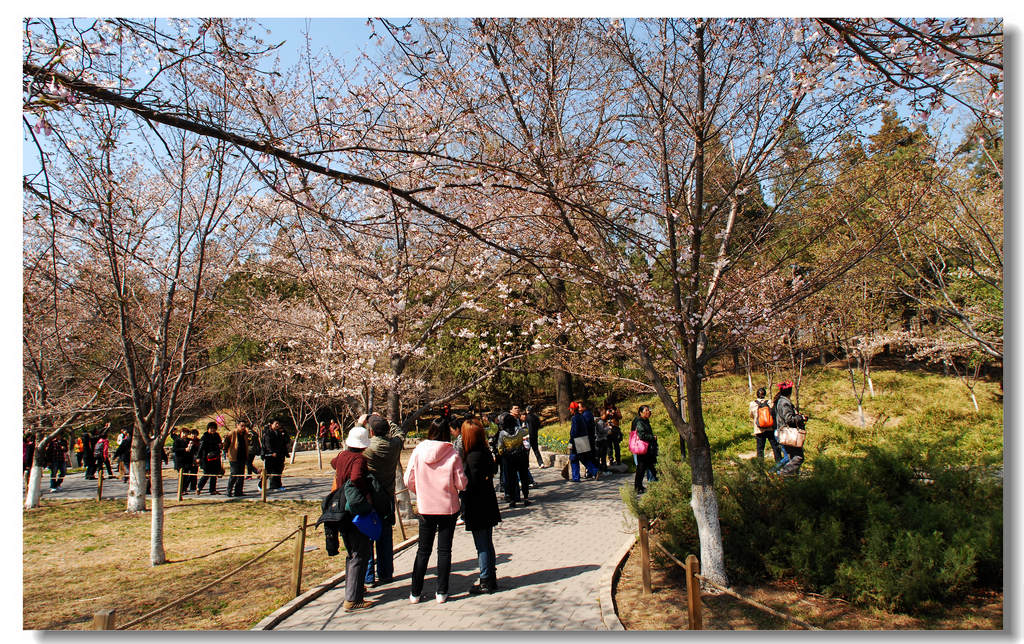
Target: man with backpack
[764, 424]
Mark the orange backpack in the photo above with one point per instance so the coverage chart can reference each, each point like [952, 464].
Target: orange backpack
[764, 415]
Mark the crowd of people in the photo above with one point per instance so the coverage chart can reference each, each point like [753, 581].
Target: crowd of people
[457, 471]
[190, 453]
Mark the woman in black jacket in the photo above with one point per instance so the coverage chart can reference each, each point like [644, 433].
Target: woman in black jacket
[479, 502]
[645, 462]
[209, 451]
[786, 416]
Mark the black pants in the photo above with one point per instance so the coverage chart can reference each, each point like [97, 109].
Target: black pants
[770, 437]
[275, 466]
[249, 467]
[517, 466]
[188, 471]
[212, 478]
[100, 462]
[613, 446]
[602, 454]
[535, 446]
[644, 462]
[357, 555]
[443, 525]
[237, 471]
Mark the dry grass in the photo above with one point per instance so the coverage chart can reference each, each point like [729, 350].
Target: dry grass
[82, 556]
[665, 608]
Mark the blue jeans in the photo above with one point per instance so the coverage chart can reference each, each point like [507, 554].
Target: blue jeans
[785, 459]
[574, 465]
[485, 552]
[57, 472]
[382, 558]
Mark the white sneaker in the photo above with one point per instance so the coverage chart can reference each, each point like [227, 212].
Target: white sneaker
[414, 599]
[441, 598]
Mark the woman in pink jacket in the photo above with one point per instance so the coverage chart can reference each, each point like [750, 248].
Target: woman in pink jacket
[436, 475]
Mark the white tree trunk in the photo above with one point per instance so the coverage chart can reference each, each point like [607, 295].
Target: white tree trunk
[157, 555]
[404, 498]
[871, 386]
[975, 401]
[704, 502]
[860, 410]
[750, 380]
[136, 501]
[35, 487]
[156, 532]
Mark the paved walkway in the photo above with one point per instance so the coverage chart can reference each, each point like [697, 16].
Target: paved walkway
[549, 556]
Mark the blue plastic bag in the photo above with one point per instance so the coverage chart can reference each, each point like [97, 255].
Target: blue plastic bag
[369, 524]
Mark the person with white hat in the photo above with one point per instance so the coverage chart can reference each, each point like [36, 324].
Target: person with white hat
[350, 465]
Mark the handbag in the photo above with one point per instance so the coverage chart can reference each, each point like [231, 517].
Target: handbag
[636, 445]
[369, 524]
[582, 444]
[791, 436]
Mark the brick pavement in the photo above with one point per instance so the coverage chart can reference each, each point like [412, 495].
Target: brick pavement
[550, 558]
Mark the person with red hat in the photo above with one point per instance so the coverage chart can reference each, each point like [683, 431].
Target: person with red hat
[785, 415]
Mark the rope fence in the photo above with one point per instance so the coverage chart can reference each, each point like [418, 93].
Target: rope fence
[694, 580]
[104, 619]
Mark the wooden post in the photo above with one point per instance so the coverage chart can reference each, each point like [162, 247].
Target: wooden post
[103, 620]
[693, 604]
[263, 483]
[645, 554]
[300, 547]
[398, 518]
[181, 483]
[99, 486]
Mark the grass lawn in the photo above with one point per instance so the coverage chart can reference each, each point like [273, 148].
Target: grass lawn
[85, 555]
[907, 404]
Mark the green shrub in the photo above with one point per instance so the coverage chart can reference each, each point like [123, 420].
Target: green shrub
[902, 526]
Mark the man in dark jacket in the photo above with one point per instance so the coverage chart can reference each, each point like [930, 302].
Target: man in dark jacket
[382, 461]
[56, 455]
[533, 424]
[88, 445]
[274, 450]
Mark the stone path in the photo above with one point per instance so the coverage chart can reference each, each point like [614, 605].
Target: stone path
[550, 557]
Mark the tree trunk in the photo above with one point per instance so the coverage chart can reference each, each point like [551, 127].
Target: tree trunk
[136, 501]
[398, 363]
[860, 411]
[563, 392]
[35, 486]
[750, 380]
[157, 555]
[404, 498]
[736, 360]
[703, 500]
[974, 400]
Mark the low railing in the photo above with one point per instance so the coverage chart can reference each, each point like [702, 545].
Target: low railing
[694, 603]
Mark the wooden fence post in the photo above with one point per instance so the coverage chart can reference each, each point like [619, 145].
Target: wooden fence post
[181, 483]
[263, 483]
[300, 547]
[398, 518]
[694, 606]
[103, 620]
[99, 486]
[645, 553]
